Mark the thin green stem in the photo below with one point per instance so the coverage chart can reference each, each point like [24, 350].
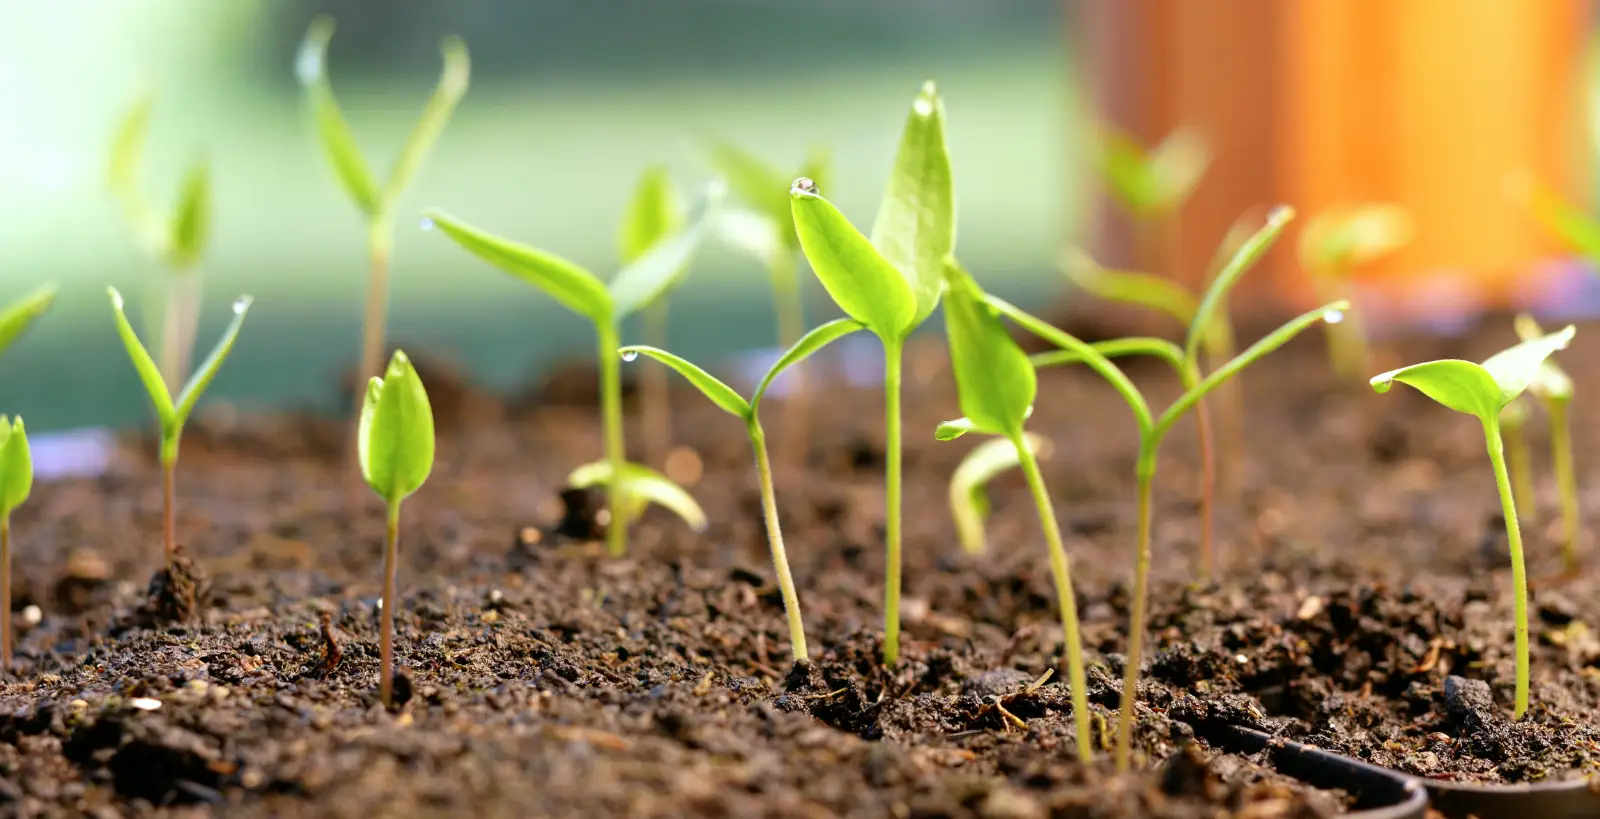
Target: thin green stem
[780, 558]
[1060, 568]
[1519, 573]
[391, 549]
[1519, 462]
[611, 419]
[655, 390]
[5, 592]
[1141, 591]
[891, 530]
[169, 515]
[1566, 482]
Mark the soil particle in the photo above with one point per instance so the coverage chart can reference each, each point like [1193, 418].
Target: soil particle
[177, 592]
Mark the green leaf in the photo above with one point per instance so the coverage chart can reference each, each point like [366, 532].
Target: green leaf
[1116, 348]
[207, 371]
[818, 168]
[642, 485]
[1480, 390]
[1550, 384]
[758, 184]
[396, 432]
[720, 394]
[127, 149]
[452, 86]
[344, 154]
[864, 284]
[16, 465]
[1335, 242]
[20, 315]
[655, 212]
[969, 500]
[191, 222]
[1151, 184]
[1213, 303]
[951, 430]
[1122, 163]
[819, 337]
[1128, 287]
[995, 382]
[916, 225]
[1515, 368]
[1560, 218]
[663, 265]
[142, 363]
[566, 282]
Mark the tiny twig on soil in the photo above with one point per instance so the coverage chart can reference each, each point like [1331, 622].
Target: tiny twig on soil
[330, 641]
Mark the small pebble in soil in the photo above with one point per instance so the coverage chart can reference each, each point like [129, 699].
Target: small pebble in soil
[1469, 702]
[146, 704]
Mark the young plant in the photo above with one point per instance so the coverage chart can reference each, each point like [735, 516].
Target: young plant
[1519, 460]
[170, 412]
[1560, 219]
[1151, 186]
[20, 315]
[1333, 245]
[394, 444]
[175, 241]
[749, 411]
[1553, 388]
[16, 479]
[969, 498]
[654, 215]
[1483, 390]
[997, 385]
[637, 286]
[890, 284]
[376, 201]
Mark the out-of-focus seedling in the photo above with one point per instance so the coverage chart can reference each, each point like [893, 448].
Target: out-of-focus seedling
[749, 411]
[16, 480]
[1560, 219]
[395, 447]
[1484, 390]
[176, 241]
[376, 201]
[1553, 388]
[969, 496]
[20, 315]
[1333, 245]
[173, 412]
[655, 214]
[635, 287]
[1152, 186]
[997, 385]
[1519, 460]
[890, 283]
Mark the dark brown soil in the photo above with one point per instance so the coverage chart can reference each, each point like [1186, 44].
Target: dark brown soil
[1364, 564]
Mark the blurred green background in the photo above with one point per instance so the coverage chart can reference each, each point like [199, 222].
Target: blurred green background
[570, 100]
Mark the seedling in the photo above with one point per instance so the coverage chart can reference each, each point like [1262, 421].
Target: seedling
[376, 202]
[20, 315]
[1560, 219]
[890, 284]
[170, 412]
[969, 496]
[749, 411]
[637, 285]
[997, 385]
[395, 447]
[1519, 461]
[1483, 390]
[655, 214]
[1152, 185]
[16, 479]
[175, 241]
[1333, 245]
[1552, 387]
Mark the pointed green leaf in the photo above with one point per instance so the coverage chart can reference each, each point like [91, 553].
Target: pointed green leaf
[916, 225]
[452, 86]
[1515, 368]
[807, 346]
[20, 315]
[1116, 348]
[969, 500]
[1560, 219]
[720, 394]
[191, 221]
[16, 465]
[663, 265]
[818, 168]
[655, 212]
[396, 432]
[127, 149]
[1213, 305]
[142, 363]
[1124, 167]
[1550, 384]
[951, 430]
[642, 485]
[566, 282]
[864, 284]
[344, 154]
[758, 184]
[1129, 287]
[207, 371]
[995, 382]
[1460, 385]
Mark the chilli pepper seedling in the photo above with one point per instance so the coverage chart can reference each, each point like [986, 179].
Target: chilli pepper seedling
[176, 241]
[637, 286]
[890, 283]
[1151, 186]
[16, 480]
[1552, 387]
[394, 444]
[172, 412]
[376, 201]
[1484, 390]
[1519, 460]
[725, 397]
[655, 214]
[20, 315]
[1333, 245]
[969, 496]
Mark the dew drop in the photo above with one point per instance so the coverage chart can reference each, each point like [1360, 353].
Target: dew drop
[426, 223]
[1279, 215]
[804, 186]
[241, 304]
[923, 106]
[1333, 316]
[308, 64]
[630, 355]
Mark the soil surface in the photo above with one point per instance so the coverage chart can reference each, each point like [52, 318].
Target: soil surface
[1362, 604]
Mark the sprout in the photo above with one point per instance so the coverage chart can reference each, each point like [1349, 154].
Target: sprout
[749, 411]
[969, 502]
[170, 412]
[997, 385]
[16, 479]
[1333, 245]
[1484, 390]
[20, 315]
[889, 284]
[1519, 462]
[377, 203]
[176, 240]
[654, 215]
[1552, 387]
[638, 285]
[1152, 185]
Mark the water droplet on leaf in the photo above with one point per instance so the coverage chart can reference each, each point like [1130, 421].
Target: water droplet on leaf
[426, 223]
[1333, 316]
[630, 355]
[923, 106]
[804, 186]
[1280, 214]
[308, 65]
[241, 304]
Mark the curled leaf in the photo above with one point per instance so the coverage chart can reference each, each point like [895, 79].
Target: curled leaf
[396, 439]
[969, 498]
[641, 486]
[16, 465]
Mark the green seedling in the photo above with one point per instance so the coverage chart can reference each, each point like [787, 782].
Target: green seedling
[176, 240]
[1552, 387]
[890, 283]
[1519, 460]
[638, 285]
[395, 447]
[376, 201]
[997, 385]
[749, 412]
[1484, 390]
[641, 486]
[969, 496]
[1333, 245]
[655, 214]
[20, 315]
[16, 480]
[1152, 184]
[170, 412]
[1559, 218]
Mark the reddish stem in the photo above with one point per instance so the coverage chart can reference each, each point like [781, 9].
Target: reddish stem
[386, 616]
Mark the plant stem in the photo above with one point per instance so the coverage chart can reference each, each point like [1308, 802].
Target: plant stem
[611, 419]
[391, 549]
[1208, 482]
[655, 390]
[178, 325]
[1566, 482]
[1136, 621]
[1065, 599]
[5, 593]
[891, 530]
[1519, 462]
[780, 558]
[169, 517]
[374, 322]
[1519, 574]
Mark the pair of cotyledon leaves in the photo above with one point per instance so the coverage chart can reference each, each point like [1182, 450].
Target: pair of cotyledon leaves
[179, 238]
[1481, 390]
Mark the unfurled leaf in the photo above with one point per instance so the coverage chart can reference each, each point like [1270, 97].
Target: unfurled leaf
[452, 86]
[207, 371]
[1213, 303]
[1337, 241]
[1116, 348]
[995, 381]
[864, 284]
[807, 346]
[396, 440]
[191, 221]
[1551, 383]
[951, 430]
[343, 152]
[655, 213]
[720, 394]
[642, 485]
[969, 498]
[16, 465]
[154, 385]
[916, 225]
[662, 264]
[1480, 390]
[566, 282]
[19, 316]
[1515, 368]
